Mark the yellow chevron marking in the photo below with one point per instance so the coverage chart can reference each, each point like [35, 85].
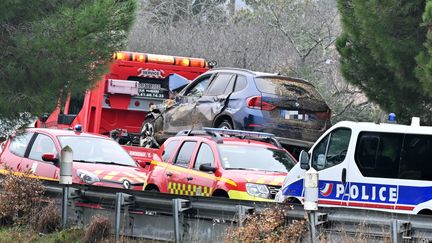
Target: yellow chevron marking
[5, 172]
[110, 175]
[261, 180]
[97, 172]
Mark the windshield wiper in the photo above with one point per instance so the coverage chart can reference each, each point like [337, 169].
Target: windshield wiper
[83, 161]
[110, 163]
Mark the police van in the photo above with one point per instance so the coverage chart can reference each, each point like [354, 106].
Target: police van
[385, 167]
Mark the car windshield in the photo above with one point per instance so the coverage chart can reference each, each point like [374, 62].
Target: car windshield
[255, 158]
[96, 150]
[287, 88]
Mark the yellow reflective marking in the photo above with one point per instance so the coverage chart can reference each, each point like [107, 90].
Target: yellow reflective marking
[97, 172]
[261, 180]
[110, 175]
[5, 172]
[136, 177]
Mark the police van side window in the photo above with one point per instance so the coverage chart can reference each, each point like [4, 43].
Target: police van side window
[416, 157]
[19, 143]
[377, 154]
[185, 154]
[332, 149]
[169, 149]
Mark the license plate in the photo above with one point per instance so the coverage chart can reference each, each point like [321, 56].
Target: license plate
[293, 115]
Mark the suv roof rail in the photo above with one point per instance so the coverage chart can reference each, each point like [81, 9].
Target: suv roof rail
[236, 69]
[267, 137]
[215, 136]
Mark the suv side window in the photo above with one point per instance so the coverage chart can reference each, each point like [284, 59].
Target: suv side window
[169, 149]
[42, 144]
[205, 156]
[241, 83]
[199, 88]
[19, 143]
[378, 154]
[415, 159]
[220, 84]
[185, 154]
[332, 149]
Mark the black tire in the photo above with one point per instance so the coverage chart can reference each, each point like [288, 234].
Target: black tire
[225, 124]
[148, 130]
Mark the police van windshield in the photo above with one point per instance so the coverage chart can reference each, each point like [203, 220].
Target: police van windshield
[96, 150]
[236, 157]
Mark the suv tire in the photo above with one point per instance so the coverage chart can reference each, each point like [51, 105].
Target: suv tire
[225, 124]
[148, 130]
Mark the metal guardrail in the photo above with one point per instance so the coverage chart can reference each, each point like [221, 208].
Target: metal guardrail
[178, 218]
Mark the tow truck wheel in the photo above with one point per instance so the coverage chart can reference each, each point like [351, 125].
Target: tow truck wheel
[147, 133]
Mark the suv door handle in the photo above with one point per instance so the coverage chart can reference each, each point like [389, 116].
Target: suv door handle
[189, 178]
[169, 174]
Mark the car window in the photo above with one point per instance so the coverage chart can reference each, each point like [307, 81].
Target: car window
[331, 150]
[205, 156]
[220, 84]
[240, 157]
[185, 154]
[415, 161]
[169, 149]
[241, 83]
[199, 88]
[286, 87]
[19, 143]
[42, 145]
[378, 154]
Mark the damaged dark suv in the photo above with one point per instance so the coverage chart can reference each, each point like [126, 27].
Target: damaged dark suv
[231, 98]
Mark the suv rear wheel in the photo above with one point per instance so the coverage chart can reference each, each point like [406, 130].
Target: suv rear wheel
[225, 124]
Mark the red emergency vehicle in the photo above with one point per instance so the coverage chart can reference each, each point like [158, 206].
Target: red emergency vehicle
[118, 104]
[224, 163]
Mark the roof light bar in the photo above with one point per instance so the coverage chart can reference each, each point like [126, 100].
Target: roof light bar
[238, 132]
[160, 59]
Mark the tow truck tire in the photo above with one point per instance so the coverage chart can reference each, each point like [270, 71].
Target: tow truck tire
[147, 133]
[225, 124]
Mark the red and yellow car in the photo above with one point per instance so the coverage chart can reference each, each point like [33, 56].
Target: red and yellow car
[97, 160]
[223, 163]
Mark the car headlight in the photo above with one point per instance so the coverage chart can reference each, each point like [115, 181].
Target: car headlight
[257, 190]
[87, 177]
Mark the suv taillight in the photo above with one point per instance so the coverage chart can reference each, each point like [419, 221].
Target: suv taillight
[256, 102]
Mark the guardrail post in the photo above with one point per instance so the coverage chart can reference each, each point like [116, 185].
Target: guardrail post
[66, 160]
[311, 199]
[242, 211]
[401, 230]
[118, 205]
[179, 205]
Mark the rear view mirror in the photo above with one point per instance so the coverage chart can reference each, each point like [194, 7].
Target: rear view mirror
[143, 163]
[304, 160]
[50, 157]
[207, 167]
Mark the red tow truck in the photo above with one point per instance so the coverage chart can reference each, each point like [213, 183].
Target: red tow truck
[118, 104]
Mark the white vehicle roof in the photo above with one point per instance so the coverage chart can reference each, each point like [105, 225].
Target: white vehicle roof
[414, 128]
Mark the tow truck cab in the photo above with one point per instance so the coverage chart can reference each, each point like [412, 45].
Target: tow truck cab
[119, 102]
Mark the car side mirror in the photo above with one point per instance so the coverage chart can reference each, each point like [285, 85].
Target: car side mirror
[207, 167]
[143, 163]
[304, 160]
[50, 157]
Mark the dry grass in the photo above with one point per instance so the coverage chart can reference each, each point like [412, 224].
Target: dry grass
[98, 230]
[20, 197]
[268, 226]
[46, 218]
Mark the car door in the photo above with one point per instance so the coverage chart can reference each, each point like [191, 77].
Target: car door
[178, 117]
[214, 99]
[177, 173]
[33, 162]
[329, 159]
[202, 183]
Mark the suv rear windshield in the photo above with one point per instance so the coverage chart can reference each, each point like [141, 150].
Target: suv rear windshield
[286, 87]
[237, 157]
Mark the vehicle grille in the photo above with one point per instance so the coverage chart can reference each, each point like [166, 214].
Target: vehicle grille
[273, 190]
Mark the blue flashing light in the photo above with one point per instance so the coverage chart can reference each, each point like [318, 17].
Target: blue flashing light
[78, 128]
[392, 118]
